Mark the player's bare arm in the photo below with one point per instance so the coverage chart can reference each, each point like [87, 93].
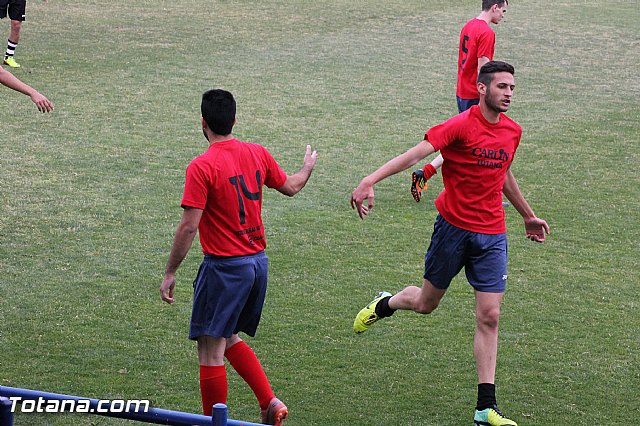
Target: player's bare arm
[536, 229]
[185, 234]
[365, 191]
[42, 103]
[298, 180]
[482, 60]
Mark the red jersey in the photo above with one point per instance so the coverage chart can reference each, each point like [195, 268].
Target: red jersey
[477, 39]
[477, 155]
[226, 183]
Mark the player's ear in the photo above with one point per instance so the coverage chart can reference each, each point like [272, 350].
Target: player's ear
[482, 88]
[205, 126]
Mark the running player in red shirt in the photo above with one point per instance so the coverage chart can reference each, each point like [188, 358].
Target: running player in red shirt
[478, 146]
[223, 201]
[476, 47]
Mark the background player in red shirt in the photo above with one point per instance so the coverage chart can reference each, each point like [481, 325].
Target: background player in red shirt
[478, 146]
[223, 201]
[476, 48]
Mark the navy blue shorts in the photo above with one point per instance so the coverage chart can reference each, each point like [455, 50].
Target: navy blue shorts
[228, 295]
[483, 256]
[465, 104]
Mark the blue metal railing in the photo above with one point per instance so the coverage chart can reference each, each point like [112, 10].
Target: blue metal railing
[6, 416]
[152, 415]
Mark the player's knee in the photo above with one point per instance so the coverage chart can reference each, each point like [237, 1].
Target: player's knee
[425, 306]
[489, 318]
[233, 340]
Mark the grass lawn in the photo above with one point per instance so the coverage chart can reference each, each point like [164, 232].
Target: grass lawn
[89, 202]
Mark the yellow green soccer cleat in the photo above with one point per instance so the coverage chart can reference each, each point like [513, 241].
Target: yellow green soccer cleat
[367, 315]
[11, 62]
[492, 417]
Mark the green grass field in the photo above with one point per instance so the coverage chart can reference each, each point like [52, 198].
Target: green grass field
[90, 200]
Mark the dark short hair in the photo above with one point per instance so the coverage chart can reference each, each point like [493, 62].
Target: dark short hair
[218, 110]
[486, 4]
[485, 76]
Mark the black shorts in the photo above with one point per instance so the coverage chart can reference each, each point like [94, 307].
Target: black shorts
[16, 9]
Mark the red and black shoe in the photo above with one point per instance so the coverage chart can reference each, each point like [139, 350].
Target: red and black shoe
[275, 413]
[418, 184]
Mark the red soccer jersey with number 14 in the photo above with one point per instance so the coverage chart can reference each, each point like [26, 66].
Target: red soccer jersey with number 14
[477, 155]
[477, 39]
[226, 183]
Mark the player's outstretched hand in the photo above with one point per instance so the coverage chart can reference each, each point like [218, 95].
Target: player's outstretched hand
[536, 229]
[167, 287]
[310, 158]
[364, 191]
[41, 101]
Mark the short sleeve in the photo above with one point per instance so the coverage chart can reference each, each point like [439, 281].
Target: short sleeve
[195, 187]
[441, 135]
[486, 44]
[275, 177]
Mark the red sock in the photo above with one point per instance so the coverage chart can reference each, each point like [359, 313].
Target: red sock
[213, 386]
[429, 171]
[244, 361]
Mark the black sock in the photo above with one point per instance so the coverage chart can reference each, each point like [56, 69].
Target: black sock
[486, 396]
[382, 308]
[11, 48]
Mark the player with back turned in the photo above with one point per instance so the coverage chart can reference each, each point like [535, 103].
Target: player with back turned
[223, 202]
